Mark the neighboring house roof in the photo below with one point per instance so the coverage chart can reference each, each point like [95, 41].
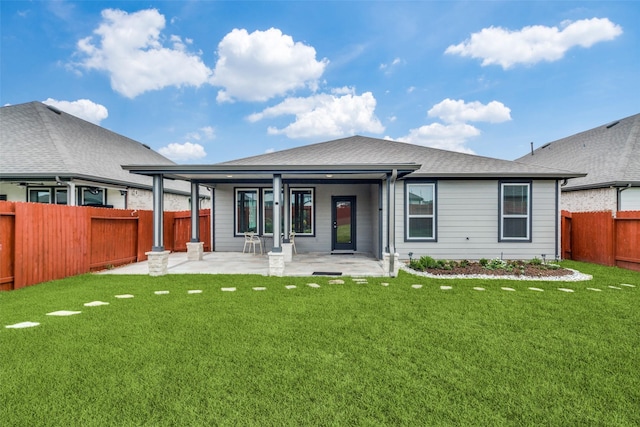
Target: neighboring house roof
[39, 142]
[610, 154]
[433, 162]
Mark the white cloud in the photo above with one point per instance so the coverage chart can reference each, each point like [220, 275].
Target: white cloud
[454, 134]
[183, 152]
[207, 133]
[264, 64]
[392, 64]
[532, 44]
[129, 48]
[83, 108]
[325, 115]
[452, 137]
[459, 111]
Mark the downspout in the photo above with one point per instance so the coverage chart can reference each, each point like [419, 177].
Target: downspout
[212, 219]
[558, 219]
[71, 191]
[620, 190]
[392, 220]
[380, 241]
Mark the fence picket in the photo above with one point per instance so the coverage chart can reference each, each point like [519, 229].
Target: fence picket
[42, 242]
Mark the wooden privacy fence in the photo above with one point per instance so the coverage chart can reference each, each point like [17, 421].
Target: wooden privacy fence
[42, 242]
[601, 238]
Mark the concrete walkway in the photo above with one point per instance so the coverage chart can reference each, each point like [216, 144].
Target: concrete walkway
[245, 263]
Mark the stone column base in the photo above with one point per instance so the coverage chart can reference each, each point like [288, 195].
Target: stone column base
[287, 250]
[195, 251]
[386, 264]
[276, 264]
[158, 263]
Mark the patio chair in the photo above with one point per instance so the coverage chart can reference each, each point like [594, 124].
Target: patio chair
[251, 240]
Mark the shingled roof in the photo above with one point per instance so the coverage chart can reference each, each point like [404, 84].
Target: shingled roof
[434, 162]
[610, 154]
[41, 142]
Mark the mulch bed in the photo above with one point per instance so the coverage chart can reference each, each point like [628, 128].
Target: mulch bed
[475, 268]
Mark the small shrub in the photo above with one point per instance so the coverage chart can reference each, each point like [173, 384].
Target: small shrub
[535, 261]
[483, 262]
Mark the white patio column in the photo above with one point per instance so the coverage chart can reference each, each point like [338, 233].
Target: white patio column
[277, 205]
[195, 248]
[390, 259]
[276, 257]
[158, 258]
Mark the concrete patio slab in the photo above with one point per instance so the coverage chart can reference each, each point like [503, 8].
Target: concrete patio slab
[238, 263]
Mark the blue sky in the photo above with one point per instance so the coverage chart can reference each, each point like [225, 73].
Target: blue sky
[205, 82]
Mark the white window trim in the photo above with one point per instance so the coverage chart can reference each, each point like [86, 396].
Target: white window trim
[408, 216]
[504, 216]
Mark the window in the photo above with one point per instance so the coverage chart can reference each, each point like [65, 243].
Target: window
[40, 195]
[302, 211]
[246, 211]
[515, 211]
[92, 196]
[420, 211]
[61, 196]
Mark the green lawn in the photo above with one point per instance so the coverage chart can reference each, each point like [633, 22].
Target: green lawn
[342, 354]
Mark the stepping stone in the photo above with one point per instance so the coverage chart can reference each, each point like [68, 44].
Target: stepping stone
[508, 289]
[627, 285]
[614, 287]
[228, 289]
[384, 284]
[95, 303]
[359, 280]
[124, 296]
[477, 288]
[313, 285]
[161, 292]
[595, 289]
[194, 291]
[259, 288]
[22, 325]
[536, 289]
[290, 286]
[566, 290]
[416, 286]
[63, 313]
[446, 288]
[336, 282]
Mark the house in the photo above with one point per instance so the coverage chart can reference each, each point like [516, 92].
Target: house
[610, 154]
[391, 200]
[49, 156]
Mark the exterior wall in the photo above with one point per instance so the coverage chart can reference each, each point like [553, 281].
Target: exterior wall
[630, 199]
[135, 198]
[143, 200]
[598, 199]
[225, 240]
[467, 223]
[14, 193]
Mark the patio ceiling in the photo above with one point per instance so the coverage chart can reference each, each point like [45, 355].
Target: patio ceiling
[211, 174]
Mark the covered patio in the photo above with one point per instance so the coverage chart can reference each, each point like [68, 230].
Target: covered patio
[238, 189]
[248, 263]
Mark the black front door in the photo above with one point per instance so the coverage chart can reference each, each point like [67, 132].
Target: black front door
[343, 218]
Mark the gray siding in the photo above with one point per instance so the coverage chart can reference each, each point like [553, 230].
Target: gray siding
[366, 236]
[467, 223]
